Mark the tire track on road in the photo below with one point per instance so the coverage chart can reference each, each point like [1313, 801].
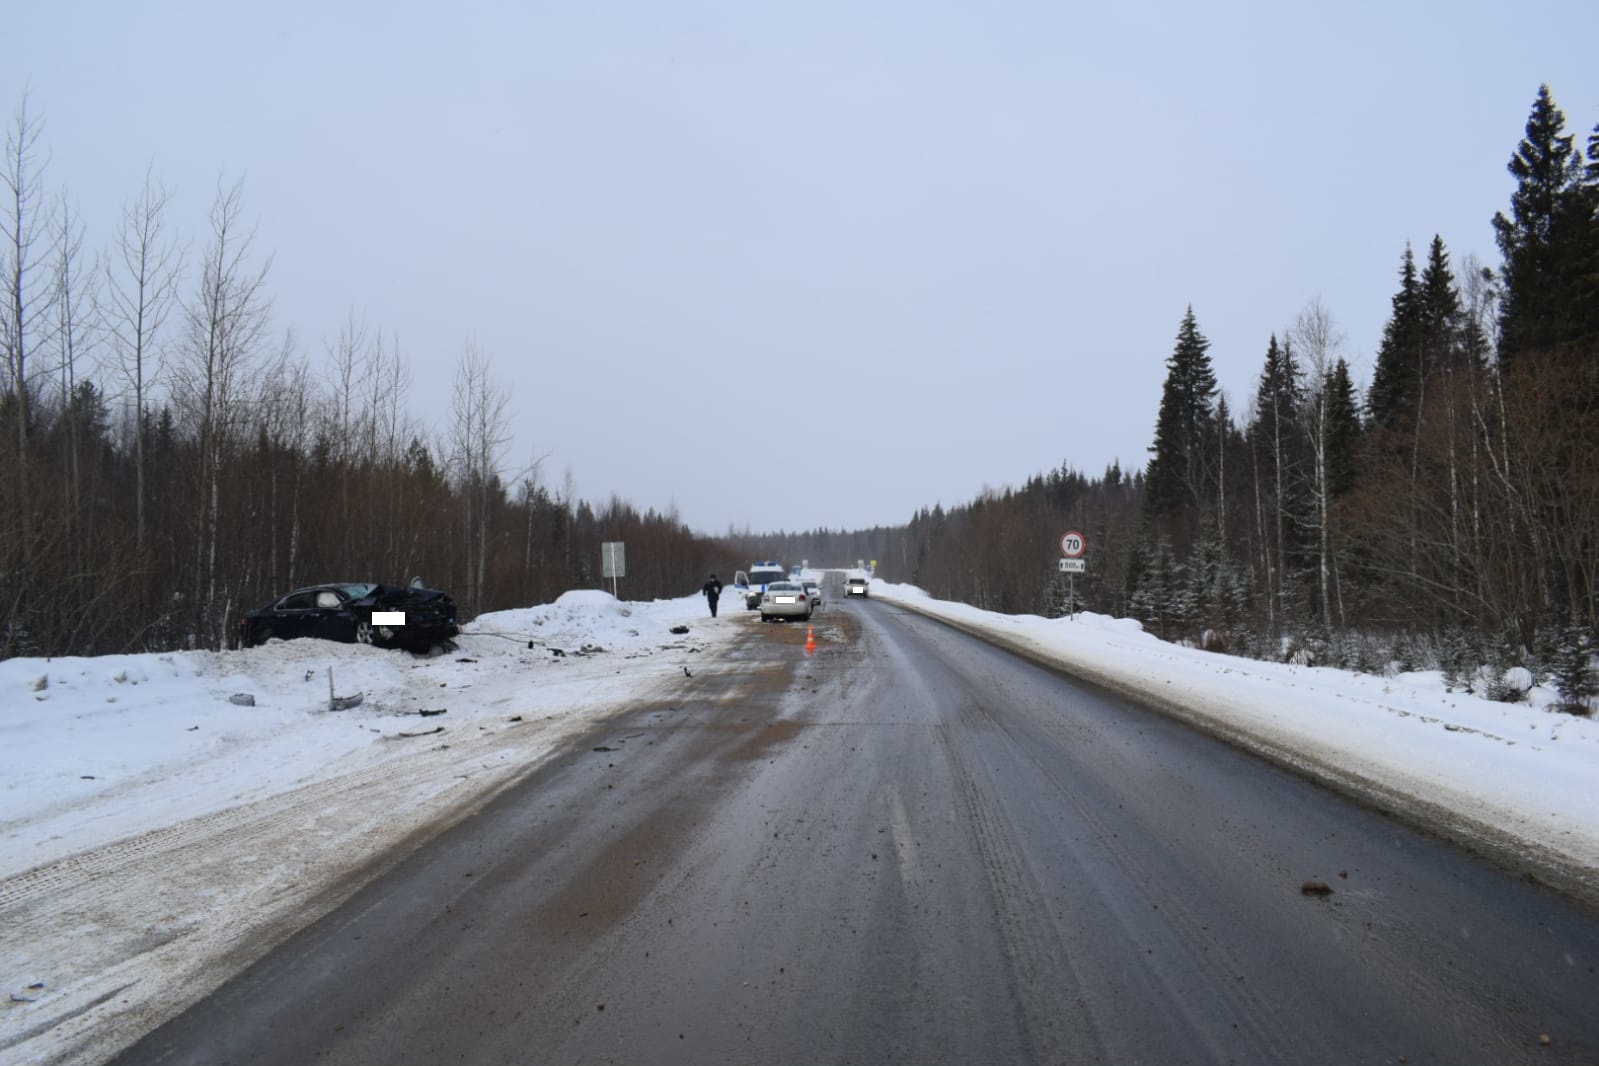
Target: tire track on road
[1049, 992]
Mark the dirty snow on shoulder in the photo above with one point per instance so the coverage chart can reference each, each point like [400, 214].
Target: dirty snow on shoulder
[92, 750]
[167, 818]
[165, 812]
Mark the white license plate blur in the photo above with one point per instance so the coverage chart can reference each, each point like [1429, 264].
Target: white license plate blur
[785, 599]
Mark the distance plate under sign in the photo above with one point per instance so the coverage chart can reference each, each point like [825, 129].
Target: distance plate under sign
[1074, 566]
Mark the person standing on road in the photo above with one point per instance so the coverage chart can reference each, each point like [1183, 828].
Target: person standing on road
[713, 592]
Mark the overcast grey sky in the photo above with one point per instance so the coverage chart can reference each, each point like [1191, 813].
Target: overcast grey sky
[810, 265]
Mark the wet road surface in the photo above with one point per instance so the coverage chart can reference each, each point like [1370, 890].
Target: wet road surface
[909, 847]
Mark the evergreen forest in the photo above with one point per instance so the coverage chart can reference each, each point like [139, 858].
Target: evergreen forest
[165, 464]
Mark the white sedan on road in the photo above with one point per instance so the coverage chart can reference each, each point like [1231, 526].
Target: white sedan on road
[785, 599]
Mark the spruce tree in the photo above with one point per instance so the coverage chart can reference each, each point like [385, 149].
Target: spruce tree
[1574, 670]
[1543, 240]
[1155, 599]
[1457, 660]
[1440, 317]
[1585, 310]
[1277, 397]
[1175, 470]
[1395, 381]
[1343, 430]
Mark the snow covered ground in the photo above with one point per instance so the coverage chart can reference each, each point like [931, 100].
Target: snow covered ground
[154, 833]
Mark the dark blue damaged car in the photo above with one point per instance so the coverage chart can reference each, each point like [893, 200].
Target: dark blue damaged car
[356, 613]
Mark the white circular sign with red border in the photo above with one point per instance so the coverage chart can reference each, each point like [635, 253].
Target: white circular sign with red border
[1073, 544]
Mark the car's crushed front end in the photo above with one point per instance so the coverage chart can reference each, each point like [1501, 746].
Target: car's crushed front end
[410, 616]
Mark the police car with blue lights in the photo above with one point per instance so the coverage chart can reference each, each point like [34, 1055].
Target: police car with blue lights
[753, 582]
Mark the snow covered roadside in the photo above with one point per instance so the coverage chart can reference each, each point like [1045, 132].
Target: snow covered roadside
[1515, 778]
[155, 835]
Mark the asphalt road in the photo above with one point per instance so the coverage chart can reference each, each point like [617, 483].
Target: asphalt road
[909, 847]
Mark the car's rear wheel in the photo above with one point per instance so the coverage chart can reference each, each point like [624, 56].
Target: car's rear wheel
[363, 631]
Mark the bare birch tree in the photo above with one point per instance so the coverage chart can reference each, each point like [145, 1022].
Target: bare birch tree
[73, 300]
[478, 439]
[141, 281]
[1318, 343]
[1276, 452]
[226, 321]
[350, 366]
[389, 426]
[23, 250]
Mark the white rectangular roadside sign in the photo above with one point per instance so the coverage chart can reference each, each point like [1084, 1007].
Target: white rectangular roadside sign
[1074, 566]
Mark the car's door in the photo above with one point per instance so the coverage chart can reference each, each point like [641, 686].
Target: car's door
[333, 618]
[293, 615]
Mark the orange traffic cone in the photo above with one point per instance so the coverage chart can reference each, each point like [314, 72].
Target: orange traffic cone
[810, 639]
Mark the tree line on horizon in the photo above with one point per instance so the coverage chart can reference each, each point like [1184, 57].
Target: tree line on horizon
[1456, 503]
[165, 463]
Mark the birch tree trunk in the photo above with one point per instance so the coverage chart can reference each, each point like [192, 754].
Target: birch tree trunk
[478, 439]
[141, 284]
[226, 322]
[1318, 341]
[20, 231]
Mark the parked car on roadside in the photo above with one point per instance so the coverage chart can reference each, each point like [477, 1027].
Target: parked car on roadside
[784, 599]
[814, 591]
[355, 612]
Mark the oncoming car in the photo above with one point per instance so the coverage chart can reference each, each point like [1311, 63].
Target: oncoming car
[855, 586]
[785, 599]
[362, 612]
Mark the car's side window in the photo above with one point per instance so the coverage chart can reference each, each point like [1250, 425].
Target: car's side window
[327, 599]
[299, 601]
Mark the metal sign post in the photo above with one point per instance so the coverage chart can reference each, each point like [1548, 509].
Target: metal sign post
[1072, 547]
[613, 562]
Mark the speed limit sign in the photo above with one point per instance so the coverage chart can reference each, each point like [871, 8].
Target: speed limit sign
[1072, 545]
